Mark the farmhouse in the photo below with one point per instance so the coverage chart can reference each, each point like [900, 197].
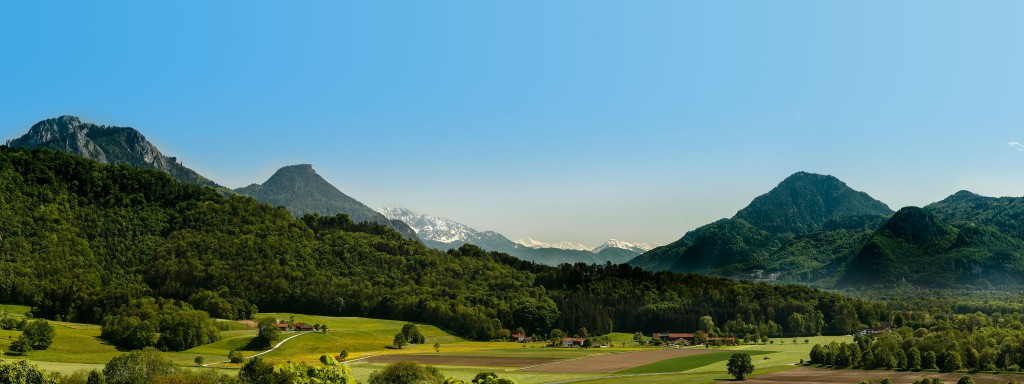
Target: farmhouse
[876, 330]
[572, 342]
[282, 326]
[302, 327]
[674, 338]
[520, 337]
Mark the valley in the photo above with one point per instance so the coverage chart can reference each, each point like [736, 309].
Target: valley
[120, 257]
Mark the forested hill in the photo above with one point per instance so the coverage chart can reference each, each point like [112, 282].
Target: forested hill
[302, 191]
[82, 240]
[803, 204]
[964, 240]
[111, 145]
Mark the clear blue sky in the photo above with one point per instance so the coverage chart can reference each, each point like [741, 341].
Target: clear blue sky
[558, 120]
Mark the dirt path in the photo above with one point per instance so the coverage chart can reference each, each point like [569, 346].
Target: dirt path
[469, 361]
[264, 352]
[614, 362]
[852, 376]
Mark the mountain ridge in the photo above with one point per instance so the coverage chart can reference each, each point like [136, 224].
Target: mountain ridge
[105, 144]
[445, 233]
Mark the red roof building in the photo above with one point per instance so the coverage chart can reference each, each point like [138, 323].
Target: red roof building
[573, 342]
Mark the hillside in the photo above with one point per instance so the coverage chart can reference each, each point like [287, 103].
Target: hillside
[82, 240]
[105, 144]
[804, 202]
[964, 240]
[302, 191]
[751, 242]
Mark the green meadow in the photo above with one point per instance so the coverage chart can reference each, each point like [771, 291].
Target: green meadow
[77, 347]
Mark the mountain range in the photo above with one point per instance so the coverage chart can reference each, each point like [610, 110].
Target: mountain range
[297, 188]
[810, 228]
[815, 229]
[444, 233]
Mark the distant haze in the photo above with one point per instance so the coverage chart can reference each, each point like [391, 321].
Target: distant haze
[555, 121]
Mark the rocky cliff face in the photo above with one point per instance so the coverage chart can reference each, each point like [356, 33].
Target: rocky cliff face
[106, 144]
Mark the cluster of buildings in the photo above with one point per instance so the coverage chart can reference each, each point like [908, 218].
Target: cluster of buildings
[300, 326]
[687, 339]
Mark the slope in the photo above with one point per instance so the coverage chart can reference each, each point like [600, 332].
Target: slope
[917, 247]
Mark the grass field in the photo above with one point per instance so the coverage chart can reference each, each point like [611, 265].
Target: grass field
[681, 364]
[77, 347]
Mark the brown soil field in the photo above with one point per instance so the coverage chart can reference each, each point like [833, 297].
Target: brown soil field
[852, 376]
[467, 361]
[248, 323]
[614, 362]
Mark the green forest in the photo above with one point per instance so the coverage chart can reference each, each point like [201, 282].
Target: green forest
[116, 245]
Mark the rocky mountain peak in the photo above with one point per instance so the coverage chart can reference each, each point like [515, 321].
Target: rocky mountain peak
[106, 144]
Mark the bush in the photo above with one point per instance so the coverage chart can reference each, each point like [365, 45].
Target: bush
[137, 367]
[406, 372]
[23, 372]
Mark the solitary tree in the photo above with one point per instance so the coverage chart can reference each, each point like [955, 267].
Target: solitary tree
[199, 360]
[966, 379]
[740, 366]
[400, 340]
[343, 355]
[267, 333]
[40, 333]
[437, 347]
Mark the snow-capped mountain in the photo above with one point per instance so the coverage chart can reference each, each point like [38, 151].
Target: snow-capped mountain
[445, 233]
[438, 229]
[635, 247]
[531, 243]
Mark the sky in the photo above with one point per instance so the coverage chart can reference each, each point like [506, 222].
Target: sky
[557, 120]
